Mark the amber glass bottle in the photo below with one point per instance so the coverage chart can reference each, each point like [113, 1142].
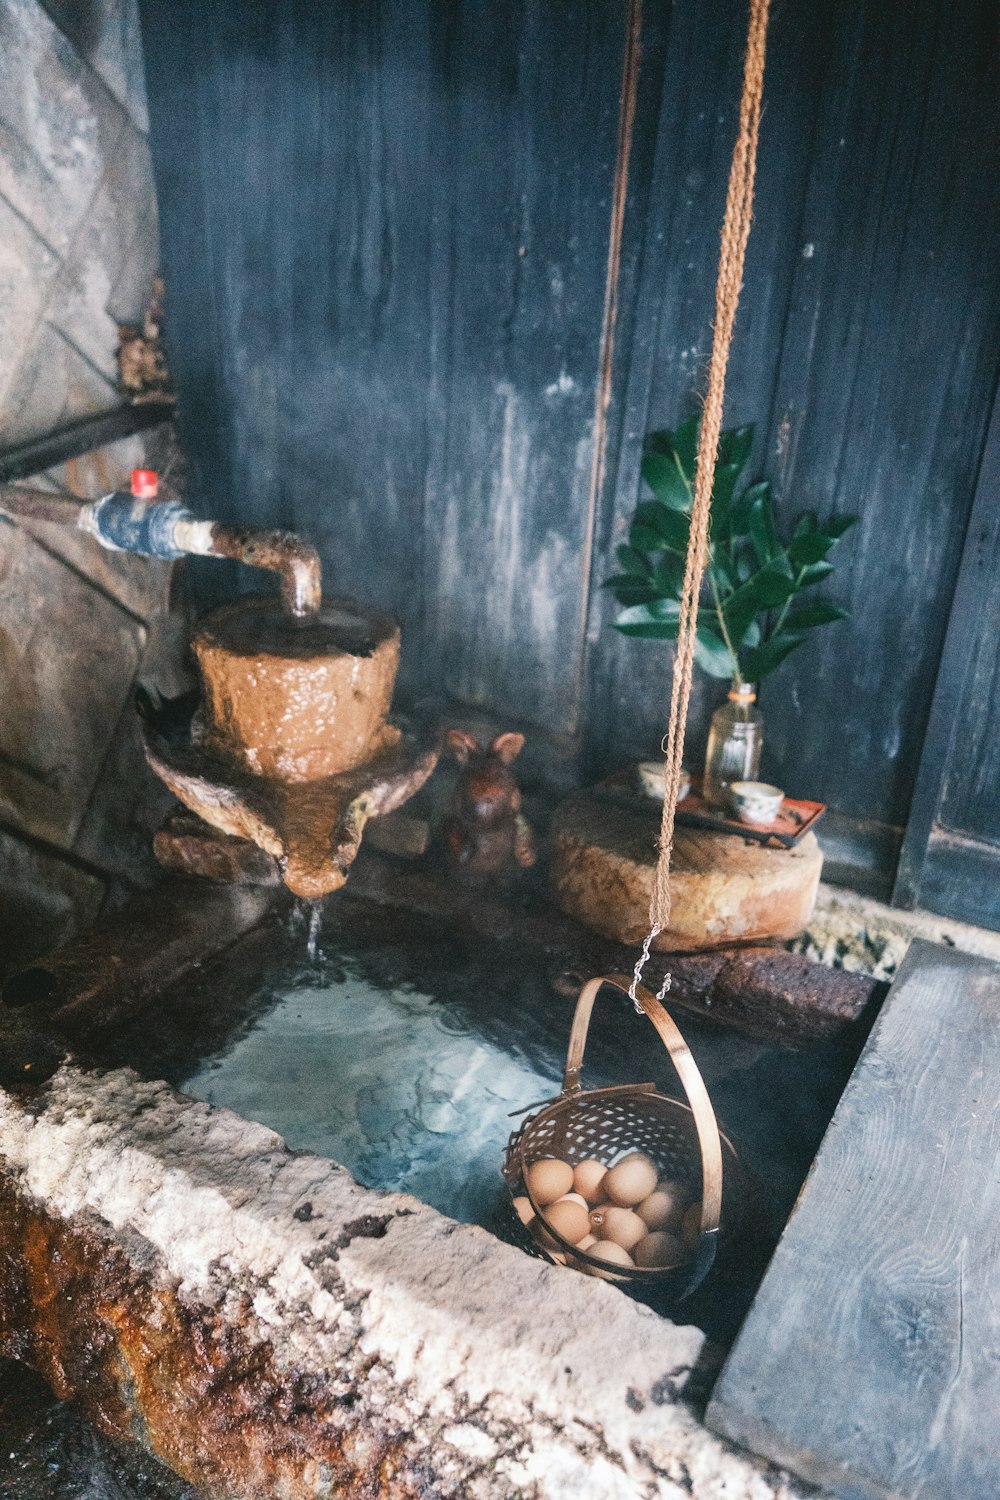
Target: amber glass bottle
[734, 744]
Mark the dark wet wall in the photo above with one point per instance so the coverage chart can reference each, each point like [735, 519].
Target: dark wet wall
[386, 229]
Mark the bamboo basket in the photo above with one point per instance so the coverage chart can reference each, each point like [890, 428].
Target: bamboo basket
[683, 1141]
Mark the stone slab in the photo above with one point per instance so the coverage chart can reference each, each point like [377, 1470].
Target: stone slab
[272, 1328]
[725, 889]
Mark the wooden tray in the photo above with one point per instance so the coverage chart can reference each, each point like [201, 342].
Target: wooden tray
[793, 821]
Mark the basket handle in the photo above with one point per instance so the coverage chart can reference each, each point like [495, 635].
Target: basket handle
[694, 1087]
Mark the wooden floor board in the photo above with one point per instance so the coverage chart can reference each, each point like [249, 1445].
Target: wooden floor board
[870, 1361]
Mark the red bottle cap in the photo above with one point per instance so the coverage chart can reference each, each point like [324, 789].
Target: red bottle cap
[145, 483]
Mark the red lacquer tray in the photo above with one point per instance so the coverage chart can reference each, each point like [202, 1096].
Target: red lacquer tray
[794, 819]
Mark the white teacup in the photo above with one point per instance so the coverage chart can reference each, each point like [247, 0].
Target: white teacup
[650, 773]
[755, 801]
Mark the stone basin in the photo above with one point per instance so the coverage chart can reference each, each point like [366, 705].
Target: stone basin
[270, 1327]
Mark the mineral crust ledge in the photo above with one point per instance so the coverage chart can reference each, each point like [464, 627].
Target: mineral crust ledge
[273, 1331]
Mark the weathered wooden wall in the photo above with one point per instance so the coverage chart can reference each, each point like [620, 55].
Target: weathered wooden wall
[386, 238]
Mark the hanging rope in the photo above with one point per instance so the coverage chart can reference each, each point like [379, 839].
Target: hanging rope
[735, 233]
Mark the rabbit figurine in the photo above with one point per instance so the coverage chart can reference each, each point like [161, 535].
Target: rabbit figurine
[485, 832]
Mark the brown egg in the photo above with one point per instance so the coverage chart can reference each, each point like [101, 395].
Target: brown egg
[664, 1208]
[587, 1241]
[622, 1226]
[524, 1210]
[597, 1217]
[587, 1179]
[691, 1225]
[568, 1219]
[575, 1198]
[549, 1179]
[632, 1180]
[658, 1249]
[612, 1255]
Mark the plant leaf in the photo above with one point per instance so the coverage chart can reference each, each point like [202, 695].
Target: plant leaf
[835, 526]
[724, 569]
[806, 522]
[631, 561]
[671, 526]
[661, 473]
[739, 511]
[656, 611]
[735, 445]
[684, 441]
[758, 663]
[723, 485]
[810, 547]
[654, 630]
[661, 441]
[814, 573]
[628, 589]
[643, 538]
[766, 589]
[668, 575]
[808, 616]
[712, 654]
[653, 621]
[761, 527]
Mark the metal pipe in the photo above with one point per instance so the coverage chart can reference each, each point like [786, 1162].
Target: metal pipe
[167, 529]
[282, 552]
[37, 505]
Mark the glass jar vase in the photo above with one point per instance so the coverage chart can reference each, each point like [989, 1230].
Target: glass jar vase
[734, 744]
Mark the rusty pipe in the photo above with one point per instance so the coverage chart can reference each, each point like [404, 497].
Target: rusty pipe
[295, 562]
[166, 528]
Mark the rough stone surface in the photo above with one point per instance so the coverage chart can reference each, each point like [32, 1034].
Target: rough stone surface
[273, 1330]
[725, 890]
[77, 207]
[848, 931]
[68, 655]
[45, 900]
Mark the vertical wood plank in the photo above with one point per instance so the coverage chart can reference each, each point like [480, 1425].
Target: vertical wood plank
[868, 1361]
[695, 127]
[887, 363]
[523, 174]
[953, 834]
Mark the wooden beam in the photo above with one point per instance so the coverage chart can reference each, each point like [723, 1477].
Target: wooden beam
[868, 1362]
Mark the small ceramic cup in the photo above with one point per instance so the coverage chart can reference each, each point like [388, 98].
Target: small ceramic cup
[755, 801]
[650, 773]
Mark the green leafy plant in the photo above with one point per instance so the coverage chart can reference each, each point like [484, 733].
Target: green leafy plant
[752, 615]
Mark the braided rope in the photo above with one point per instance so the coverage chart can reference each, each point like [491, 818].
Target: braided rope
[735, 234]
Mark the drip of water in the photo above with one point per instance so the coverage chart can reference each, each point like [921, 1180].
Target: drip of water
[315, 923]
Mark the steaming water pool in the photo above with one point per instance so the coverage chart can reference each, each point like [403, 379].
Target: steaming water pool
[401, 1050]
[398, 1087]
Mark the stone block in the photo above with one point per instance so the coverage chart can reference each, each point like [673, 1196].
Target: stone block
[28, 269]
[107, 241]
[52, 386]
[68, 658]
[271, 1328]
[725, 889]
[106, 35]
[45, 901]
[64, 114]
